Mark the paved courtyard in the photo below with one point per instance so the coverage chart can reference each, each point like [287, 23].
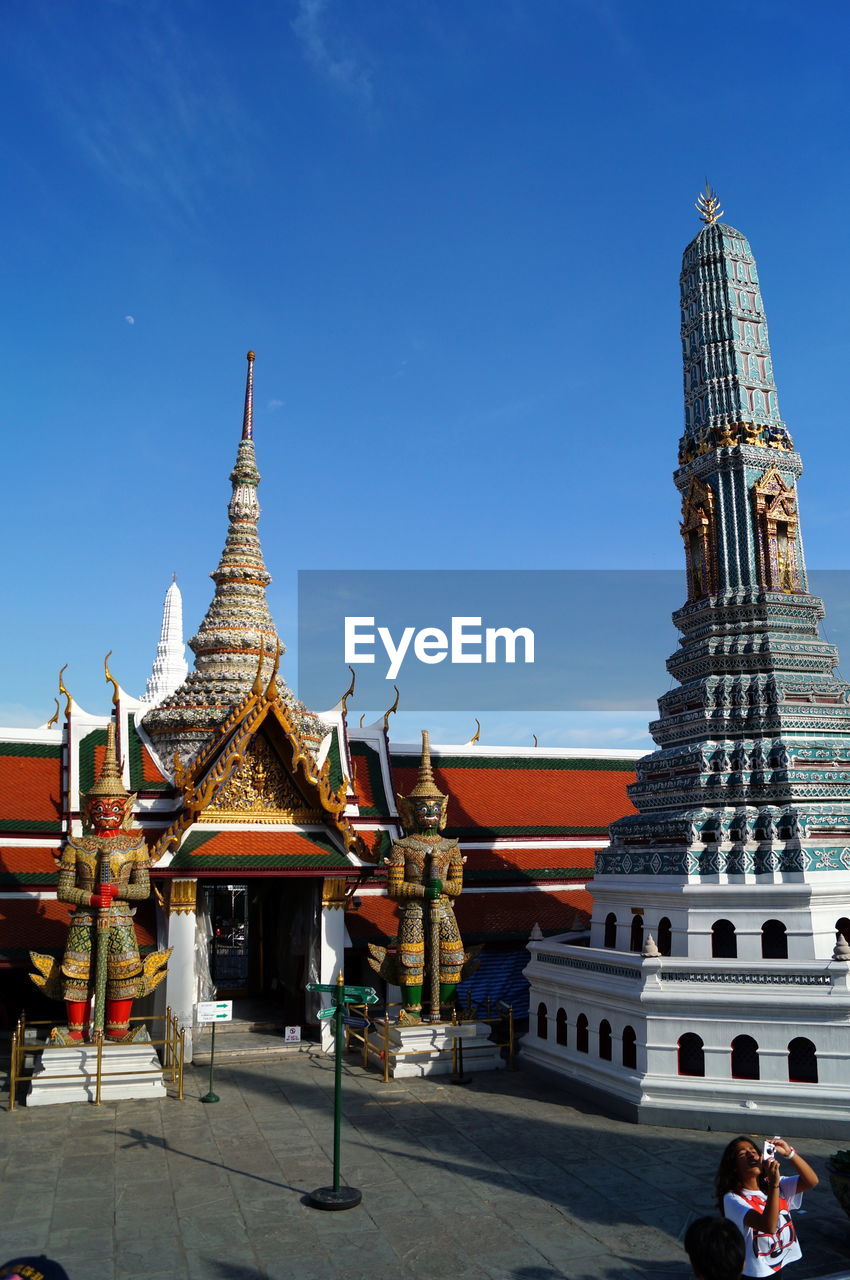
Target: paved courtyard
[500, 1180]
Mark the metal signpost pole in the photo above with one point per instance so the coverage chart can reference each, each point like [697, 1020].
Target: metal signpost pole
[213, 1011]
[338, 1196]
[211, 1096]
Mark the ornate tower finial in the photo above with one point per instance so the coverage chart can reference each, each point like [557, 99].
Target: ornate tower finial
[248, 415]
[109, 780]
[236, 641]
[426, 787]
[708, 205]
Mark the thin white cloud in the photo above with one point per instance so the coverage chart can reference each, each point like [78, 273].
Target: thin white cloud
[322, 49]
[274, 404]
[151, 106]
[130, 319]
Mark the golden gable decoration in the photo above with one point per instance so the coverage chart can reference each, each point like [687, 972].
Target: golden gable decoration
[259, 791]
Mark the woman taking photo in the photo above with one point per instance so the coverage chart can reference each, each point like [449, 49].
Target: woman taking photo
[751, 1194]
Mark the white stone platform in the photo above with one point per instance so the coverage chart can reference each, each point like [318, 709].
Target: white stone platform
[138, 1064]
[426, 1049]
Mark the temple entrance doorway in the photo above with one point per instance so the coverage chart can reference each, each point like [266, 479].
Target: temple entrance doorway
[264, 938]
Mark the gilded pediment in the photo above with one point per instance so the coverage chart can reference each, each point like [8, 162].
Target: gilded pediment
[259, 790]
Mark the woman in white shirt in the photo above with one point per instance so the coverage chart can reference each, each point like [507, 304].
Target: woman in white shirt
[751, 1193]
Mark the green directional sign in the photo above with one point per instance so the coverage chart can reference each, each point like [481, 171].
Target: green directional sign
[346, 995]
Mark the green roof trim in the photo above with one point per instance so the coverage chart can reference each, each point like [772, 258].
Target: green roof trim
[11, 879]
[42, 750]
[138, 782]
[335, 774]
[376, 780]
[514, 762]
[30, 824]
[97, 738]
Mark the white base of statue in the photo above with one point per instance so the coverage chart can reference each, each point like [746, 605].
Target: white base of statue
[425, 1049]
[139, 1065]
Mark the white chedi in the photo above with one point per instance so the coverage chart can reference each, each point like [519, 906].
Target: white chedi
[170, 667]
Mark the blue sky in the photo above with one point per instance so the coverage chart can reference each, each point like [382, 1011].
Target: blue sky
[452, 233]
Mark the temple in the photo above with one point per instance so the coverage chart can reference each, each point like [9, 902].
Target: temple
[268, 823]
[721, 909]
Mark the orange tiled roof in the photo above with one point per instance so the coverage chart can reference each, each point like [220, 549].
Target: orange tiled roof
[513, 796]
[33, 865]
[30, 787]
[259, 850]
[482, 915]
[368, 780]
[42, 923]
[542, 857]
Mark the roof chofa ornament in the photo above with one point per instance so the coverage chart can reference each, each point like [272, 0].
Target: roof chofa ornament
[708, 205]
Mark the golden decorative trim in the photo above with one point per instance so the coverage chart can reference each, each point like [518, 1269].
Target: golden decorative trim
[390, 711]
[708, 205]
[110, 679]
[699, 532]
[333, 892]
[775, 514]
[182, 897]
[349, 693]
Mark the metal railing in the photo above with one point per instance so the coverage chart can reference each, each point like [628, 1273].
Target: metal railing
[388, 1055]
[173, 1057]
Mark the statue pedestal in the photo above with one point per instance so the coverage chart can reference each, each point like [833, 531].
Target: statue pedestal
[425, 1049]
[139, 1066]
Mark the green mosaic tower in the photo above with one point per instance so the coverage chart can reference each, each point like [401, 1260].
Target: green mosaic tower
[716, 987]
[751, 782]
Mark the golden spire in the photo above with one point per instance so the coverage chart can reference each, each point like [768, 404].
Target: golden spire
[426, 787]
[109, 781]
[708, 205]
[248, 415]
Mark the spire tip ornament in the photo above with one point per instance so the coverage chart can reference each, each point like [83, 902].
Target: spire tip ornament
[248, 415]
[708, 205]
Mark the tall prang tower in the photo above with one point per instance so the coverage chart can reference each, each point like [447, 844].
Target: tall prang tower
[727, 895]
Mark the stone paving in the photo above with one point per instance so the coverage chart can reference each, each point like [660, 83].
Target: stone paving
[498, 1180]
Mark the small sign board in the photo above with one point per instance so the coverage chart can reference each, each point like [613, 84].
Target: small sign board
[215, 1011]
[292, 1035]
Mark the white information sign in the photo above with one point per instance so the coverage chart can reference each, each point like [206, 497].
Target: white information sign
[215, 1011]
[292, 1035]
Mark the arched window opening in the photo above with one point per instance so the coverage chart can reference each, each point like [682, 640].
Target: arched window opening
[665, 936]
[691, 1055]
[842, 926]
[774, 940]
[561, 1026]
[802, 1061]
[745, 1058]
[581, 1034]
[610, 939]
[629, 1048]
[605, 1039]
[724, 944]
[636, 940]
[542, 1022]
